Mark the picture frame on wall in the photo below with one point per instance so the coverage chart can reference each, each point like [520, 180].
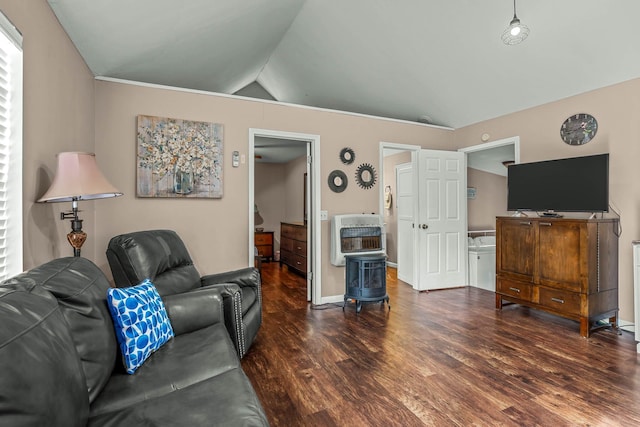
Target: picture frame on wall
[179, 158]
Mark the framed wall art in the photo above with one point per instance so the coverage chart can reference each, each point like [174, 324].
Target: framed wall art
[179, 158]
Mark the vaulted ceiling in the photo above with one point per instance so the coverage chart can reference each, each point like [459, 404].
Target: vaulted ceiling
[403, 59]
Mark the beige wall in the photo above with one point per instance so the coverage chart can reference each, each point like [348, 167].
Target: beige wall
[269, 196]
[617, 109]
[390, 215]
[60, 98]
[278, 192]
[57, 116]
[490, 201]
[294, 189]
[216, 231]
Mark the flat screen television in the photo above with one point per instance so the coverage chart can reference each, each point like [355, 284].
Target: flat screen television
[578, 184]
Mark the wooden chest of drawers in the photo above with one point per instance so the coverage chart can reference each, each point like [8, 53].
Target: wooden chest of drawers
[293, 246]
[264, 242]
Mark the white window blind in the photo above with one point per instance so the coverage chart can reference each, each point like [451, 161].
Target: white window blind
[10, 149]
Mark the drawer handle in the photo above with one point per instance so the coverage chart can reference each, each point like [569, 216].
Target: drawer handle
[525, 222]
[558, 300]
[515, 290]
[298, 262]
[548, 224]
[299, 248]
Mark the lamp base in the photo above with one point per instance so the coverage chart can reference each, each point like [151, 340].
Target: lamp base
[76, 236]
[76, 239]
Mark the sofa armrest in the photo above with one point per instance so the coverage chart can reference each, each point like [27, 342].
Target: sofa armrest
[193, 310]
[249, 276]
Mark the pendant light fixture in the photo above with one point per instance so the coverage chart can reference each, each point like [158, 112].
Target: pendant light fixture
[515, 32]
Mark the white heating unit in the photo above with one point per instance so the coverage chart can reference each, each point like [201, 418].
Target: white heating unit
[356, 234]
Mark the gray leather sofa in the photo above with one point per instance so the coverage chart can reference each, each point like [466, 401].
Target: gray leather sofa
[161, 255]
[60, 364]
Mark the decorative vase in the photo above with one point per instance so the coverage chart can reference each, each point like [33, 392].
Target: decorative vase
[183, 179]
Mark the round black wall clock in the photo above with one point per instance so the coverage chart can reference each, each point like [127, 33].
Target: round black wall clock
[579, 129]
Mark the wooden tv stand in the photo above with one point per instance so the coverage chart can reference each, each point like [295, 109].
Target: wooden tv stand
[568, 267]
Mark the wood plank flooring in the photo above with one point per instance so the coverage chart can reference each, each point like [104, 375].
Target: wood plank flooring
[442, 358]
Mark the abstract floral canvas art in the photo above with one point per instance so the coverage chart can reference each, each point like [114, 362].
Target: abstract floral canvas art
[179, 158]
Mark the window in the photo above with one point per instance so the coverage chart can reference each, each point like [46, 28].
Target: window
[10, 149]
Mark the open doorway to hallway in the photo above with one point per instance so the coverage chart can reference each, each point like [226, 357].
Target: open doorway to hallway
[283, 201]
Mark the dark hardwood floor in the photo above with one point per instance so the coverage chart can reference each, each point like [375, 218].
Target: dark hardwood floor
[439, 358]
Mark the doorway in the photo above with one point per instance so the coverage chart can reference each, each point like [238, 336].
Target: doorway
[398, 216]
[487, 166]
[434, 241]
[285, 164]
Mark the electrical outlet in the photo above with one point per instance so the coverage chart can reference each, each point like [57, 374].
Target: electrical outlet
[324, 215]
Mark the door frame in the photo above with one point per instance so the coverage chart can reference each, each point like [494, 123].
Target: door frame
[314, 245]
[515, 140]
[414, 149]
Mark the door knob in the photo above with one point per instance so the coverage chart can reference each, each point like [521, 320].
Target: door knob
[425, 226]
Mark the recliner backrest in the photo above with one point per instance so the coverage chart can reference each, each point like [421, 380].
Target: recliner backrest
[158, 255]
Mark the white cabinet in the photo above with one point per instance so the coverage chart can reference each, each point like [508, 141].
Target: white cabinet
[482, 268]
[482, 259]
[636, 291]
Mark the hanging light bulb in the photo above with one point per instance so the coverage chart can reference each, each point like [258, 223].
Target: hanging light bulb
[515, 32]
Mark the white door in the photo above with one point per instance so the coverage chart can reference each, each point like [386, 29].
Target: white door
[405, 223]
[442, 219]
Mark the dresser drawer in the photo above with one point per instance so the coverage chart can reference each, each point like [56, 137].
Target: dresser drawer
[559, 300]
[294, 232]
[287, 230]
[286, 244]
[286, 257]
[263, 238]
[293, 246]
[265, 251]
[299, 263]
[515, 289]
[300, 248]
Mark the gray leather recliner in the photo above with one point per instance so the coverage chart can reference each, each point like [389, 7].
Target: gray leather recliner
[161, 256]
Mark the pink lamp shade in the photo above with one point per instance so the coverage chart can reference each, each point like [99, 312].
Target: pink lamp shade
[78, 178]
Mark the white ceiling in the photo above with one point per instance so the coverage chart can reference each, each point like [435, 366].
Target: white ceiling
[274, 150]
[401, 59]
[491, 159]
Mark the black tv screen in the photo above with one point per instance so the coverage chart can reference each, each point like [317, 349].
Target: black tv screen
[578, 184]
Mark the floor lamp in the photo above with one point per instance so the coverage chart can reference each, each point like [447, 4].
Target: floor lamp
[77, 178]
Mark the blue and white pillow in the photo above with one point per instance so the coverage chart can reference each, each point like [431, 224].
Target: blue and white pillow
[141, 322]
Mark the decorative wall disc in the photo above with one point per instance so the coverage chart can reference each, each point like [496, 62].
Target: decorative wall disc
[366, 176]
[347, 156]
[337, 181]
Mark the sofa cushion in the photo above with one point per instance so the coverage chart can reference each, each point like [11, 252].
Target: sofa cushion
[42, 381]
[227, 399]
[81, 290]
[185, 360]
[159, 255]
[141, 322]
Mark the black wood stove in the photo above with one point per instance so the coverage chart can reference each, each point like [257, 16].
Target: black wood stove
[366, 280]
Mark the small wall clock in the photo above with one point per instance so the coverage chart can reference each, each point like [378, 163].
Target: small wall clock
[579, 129]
